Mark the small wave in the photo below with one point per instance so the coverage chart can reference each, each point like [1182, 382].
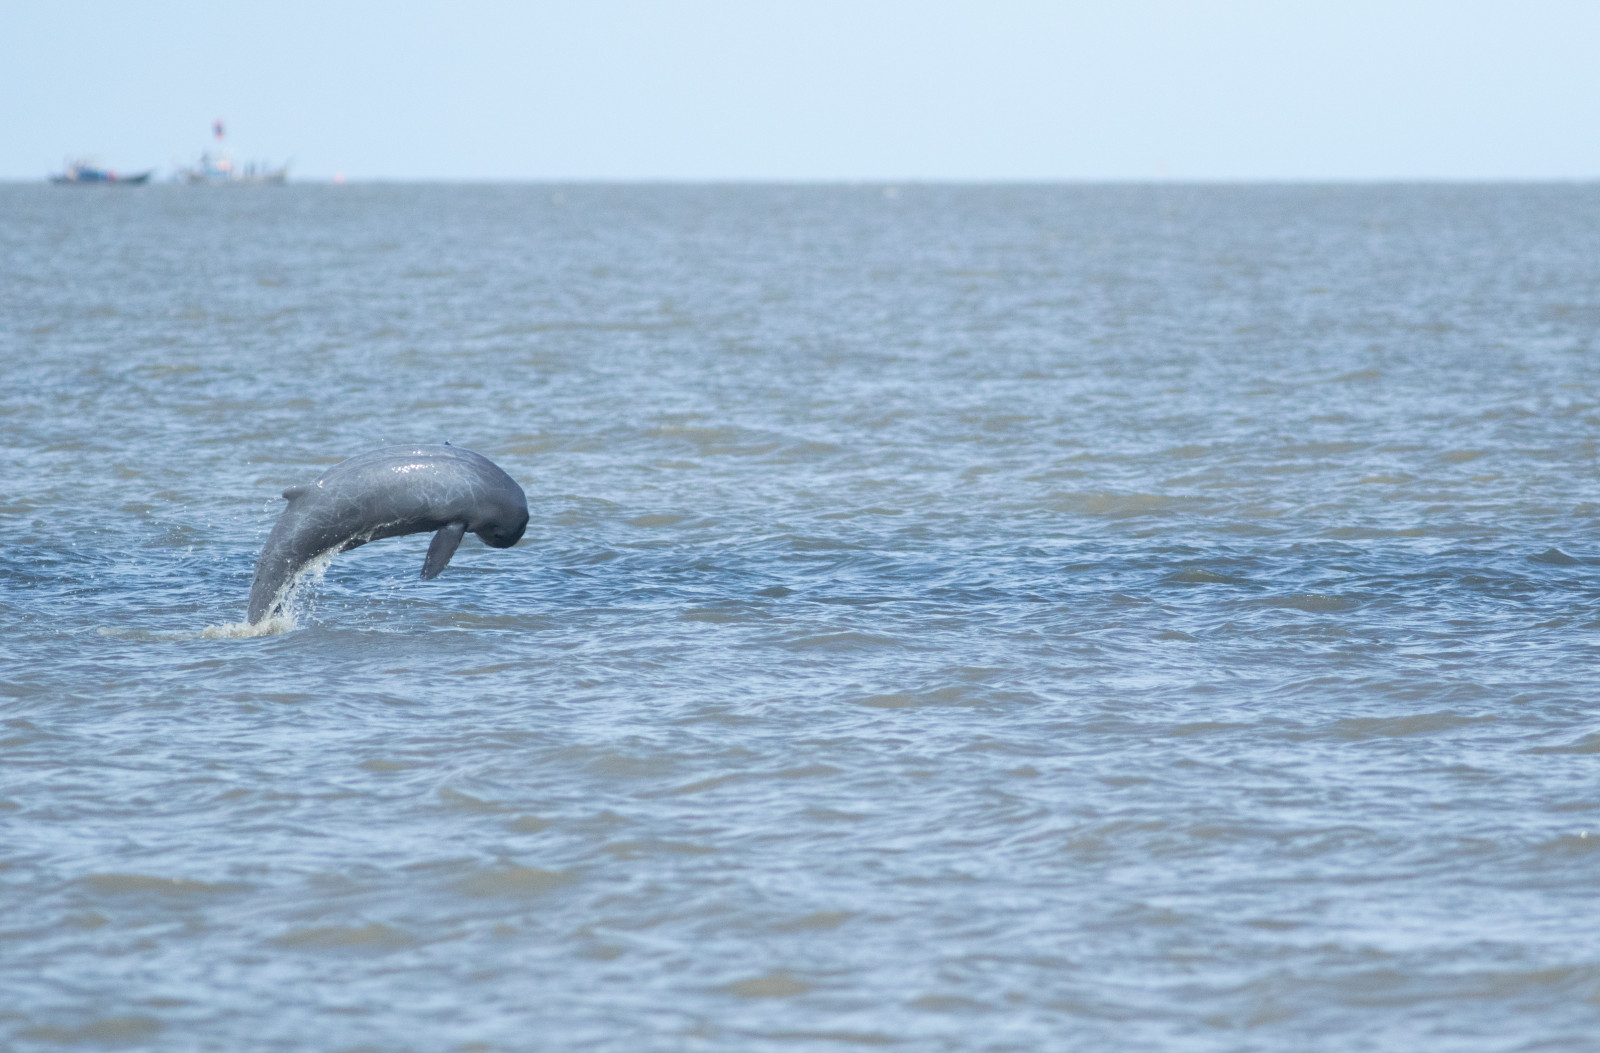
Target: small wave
[227, 631]
[1312, 602]
[374, 936]
[145, 884]
[111, 1030]
[1202, 576]
[1555, 557]
[141, 635]
[772, 985]
[512, 881]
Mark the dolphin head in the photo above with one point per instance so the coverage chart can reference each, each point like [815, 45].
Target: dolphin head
[502, 524]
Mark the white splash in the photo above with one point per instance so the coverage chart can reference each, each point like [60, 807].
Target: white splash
[272, 626]
[286, 620]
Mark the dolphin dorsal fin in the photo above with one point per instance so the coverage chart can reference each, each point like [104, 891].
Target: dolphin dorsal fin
[444, 545]
[294, 492]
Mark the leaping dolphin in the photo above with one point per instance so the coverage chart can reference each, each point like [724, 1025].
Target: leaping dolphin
[386, 493]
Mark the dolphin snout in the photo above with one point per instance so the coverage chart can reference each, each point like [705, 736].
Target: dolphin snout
[502, 536]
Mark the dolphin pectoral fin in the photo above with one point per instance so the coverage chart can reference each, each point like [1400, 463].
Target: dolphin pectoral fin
[444, 546]
[294, 492]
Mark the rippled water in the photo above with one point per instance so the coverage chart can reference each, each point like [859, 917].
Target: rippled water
[952, 618]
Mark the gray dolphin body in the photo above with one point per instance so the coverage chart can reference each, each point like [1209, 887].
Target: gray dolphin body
[386, 493]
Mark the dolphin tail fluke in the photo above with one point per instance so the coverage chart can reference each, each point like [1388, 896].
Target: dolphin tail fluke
[444, 545]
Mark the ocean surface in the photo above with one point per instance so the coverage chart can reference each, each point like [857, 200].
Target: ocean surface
[952, 618]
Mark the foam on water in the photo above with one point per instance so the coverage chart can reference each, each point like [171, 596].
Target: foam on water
[274, 625]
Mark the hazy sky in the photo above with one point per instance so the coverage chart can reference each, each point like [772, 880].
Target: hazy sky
[773, 89]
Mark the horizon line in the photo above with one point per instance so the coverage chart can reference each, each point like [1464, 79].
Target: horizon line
[883, 181]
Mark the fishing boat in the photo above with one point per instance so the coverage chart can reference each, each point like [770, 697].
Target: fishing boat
[87, 173]
[216, 167]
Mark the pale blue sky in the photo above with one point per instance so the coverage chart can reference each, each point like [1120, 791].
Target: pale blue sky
[868, 89]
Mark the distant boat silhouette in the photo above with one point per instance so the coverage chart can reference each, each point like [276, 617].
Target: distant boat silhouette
[86, 173]
[219, 168]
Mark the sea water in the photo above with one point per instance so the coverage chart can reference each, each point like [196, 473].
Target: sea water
[951, 618]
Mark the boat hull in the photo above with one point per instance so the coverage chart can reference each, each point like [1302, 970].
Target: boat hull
[98, 177]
